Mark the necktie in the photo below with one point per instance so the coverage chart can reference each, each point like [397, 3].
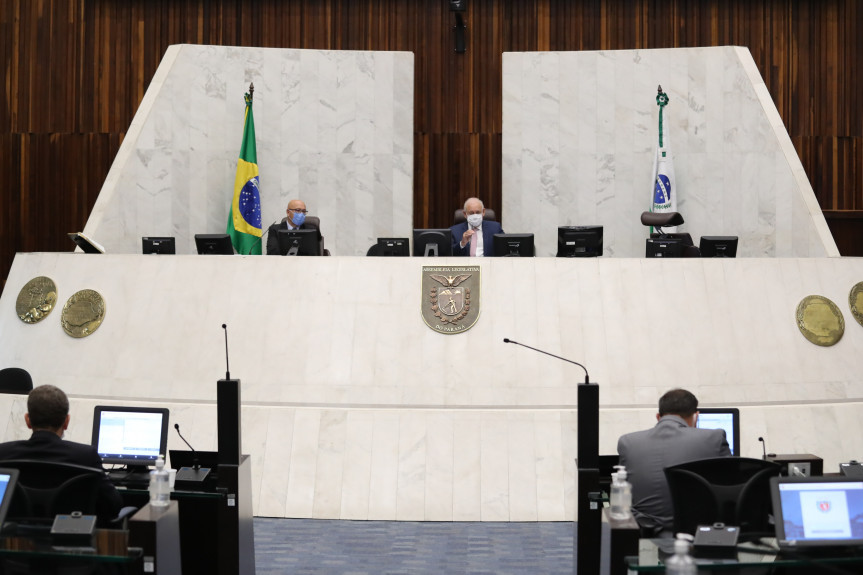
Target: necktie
[473, 241]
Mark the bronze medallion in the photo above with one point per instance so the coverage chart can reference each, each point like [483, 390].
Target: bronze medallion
[855, 301]
[820, 320]
[450, 297]
[36, 299]
[83, 313]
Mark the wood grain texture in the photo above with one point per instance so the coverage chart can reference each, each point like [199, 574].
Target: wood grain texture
[75, 71]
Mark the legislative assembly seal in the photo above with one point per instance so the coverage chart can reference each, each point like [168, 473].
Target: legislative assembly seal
[450, 297]
[855, 302]
[83, 313]
[36, 299]
[820, 320]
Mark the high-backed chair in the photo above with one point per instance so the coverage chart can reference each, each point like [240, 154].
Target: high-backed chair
[661, 220]
[731, 490]
[459, 216]
[15, 380]
[47, 488]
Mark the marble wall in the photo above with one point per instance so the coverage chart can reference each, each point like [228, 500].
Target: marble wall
[579, 136]
[353, 408]
[334, 128]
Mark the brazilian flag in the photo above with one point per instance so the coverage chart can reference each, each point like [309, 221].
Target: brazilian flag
[244, 221]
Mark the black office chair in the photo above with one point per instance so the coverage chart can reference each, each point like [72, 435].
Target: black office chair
[15, 380]
[315, 222]
[660, 220]
[459, 216]
[46, 489]
[731, 490]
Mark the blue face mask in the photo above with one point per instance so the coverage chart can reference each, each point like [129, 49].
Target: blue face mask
[298, 218]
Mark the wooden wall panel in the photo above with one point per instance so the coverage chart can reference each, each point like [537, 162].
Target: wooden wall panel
[74, 72]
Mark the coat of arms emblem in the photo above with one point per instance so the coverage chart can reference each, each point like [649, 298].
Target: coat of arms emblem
[450, 297]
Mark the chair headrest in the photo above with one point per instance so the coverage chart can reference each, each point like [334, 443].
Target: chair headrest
[661, 220]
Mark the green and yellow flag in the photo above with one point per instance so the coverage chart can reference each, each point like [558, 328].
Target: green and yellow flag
[244, 221]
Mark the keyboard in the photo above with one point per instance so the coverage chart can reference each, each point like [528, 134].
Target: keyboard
[134, 479]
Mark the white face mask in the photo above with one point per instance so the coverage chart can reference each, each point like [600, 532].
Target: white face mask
[474, 220]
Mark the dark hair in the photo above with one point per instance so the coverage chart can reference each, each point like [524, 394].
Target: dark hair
[678, 402]
[47, 407]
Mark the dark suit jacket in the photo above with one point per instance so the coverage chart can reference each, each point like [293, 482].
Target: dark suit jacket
[646, 454]
[48, 446]
[489, 228]
[273, 236]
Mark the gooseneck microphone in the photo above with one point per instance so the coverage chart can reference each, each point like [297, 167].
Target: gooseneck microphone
[261, 239]
[197, 463]
[586, 376]
[227, 363]
[763, 448]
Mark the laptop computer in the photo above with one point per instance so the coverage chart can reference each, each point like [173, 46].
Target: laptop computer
[813, 513]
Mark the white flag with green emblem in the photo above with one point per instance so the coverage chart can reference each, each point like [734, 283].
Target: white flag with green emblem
[664, 188]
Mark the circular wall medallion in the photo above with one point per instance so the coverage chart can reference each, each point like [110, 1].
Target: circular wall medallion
[820, 320]
[855, 301]
[83, 313]
[36, 299]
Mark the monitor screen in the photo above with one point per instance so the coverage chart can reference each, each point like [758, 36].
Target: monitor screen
[8, 480]
[664, 248]
[579, 241]
[214, 244]
[399, 247]
[718, 246]
[513, 245]
[301, 242]
[727, 418]
[432, 242]
[154, 245]
[817, 511]
[131, 436]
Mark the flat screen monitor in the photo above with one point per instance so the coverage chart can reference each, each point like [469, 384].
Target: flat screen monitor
[514, 245]
[664, 248]
[8, 480]
[579, 241]
[727, 418]
[398, 247]
[813, 512]
[157, 245]
[718, 246]
[214, 244]
[299, 242]
[433, 242]
[130, 436]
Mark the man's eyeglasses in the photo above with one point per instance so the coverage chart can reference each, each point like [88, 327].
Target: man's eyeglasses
[298, 211]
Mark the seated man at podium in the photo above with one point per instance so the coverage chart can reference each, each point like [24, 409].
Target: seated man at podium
[474, 237]
[295, 220]
[673, 440]
[48, 416]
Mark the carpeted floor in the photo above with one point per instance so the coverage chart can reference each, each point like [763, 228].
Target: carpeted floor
[310, 546]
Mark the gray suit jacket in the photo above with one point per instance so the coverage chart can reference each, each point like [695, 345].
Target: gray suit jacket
[647, 453]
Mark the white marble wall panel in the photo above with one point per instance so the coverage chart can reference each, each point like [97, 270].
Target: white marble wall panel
[355, 409]
[579, 136]
[334, 128]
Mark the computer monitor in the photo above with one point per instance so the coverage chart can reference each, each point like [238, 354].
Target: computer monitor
[8, 481]
[214, 244]
[157, 245]
[817, 512]
[718, 246]
[301, 242]
[579, 241]
[727, 418]
[664, 248]
[130, 436]
[432, 242]
[399, 247]
[514, 245]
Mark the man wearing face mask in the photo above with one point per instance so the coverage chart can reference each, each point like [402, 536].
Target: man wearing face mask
[295, 220]
[475, 236]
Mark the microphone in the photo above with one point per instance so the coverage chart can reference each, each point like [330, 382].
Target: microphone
[586, 376]
[227, 364]
[261, 239]
[763, 448]
[197, 463]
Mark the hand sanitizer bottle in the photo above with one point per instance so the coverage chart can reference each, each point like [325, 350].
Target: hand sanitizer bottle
[681, 563]
[621, 494]
[160, 488]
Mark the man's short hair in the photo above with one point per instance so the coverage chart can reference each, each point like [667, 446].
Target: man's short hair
[47, 407]
[481, 205]
[678, 402]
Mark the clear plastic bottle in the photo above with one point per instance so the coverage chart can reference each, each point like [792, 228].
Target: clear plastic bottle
[621, 495]
[160, 487]
[681, 563]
